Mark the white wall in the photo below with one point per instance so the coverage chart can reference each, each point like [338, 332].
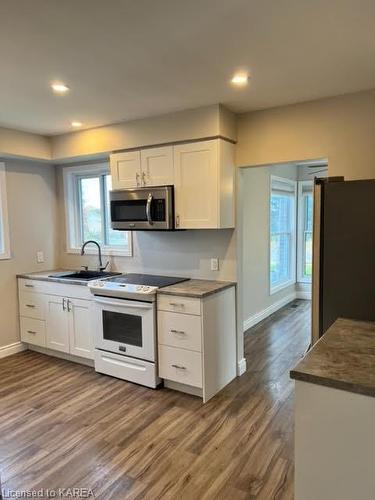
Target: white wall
[180, 253]
[191, 124]
[31, 190]
[337, 128]
[255, 195]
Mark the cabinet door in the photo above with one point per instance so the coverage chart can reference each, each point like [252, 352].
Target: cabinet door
[57, 323]
[126, 169]
[157, 166]
[80, 332]
[196, 185]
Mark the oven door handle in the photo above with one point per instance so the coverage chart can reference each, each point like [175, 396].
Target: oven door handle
[148, 209]
[117, 304]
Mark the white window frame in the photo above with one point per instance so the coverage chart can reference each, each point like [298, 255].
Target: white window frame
[291, 187]
[300, 258]
[72, 215]
[4, 215]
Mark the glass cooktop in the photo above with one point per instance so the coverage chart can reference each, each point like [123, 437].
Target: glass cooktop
[147, 279]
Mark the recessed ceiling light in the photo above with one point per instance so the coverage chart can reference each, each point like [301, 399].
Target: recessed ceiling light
[76, 124]
[240, 79]
[59, 88]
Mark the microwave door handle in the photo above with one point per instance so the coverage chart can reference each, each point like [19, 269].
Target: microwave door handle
[117, 304]
[148, 209]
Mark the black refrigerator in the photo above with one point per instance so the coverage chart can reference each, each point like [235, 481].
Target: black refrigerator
[343, 283]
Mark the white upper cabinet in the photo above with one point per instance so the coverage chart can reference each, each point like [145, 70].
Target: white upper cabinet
[202, 173]
[157, 166]
[149, 167]
[126, 170]
[204, 184]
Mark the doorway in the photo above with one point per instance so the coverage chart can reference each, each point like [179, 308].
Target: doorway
[275, 237]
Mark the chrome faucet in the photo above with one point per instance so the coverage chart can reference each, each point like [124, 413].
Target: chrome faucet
[100, 266]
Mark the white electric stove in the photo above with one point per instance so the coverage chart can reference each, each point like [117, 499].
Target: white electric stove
[125, 326]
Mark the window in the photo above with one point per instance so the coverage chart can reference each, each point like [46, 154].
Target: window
[4, 225]
[88, 211]
[282, 233]
[305, 225]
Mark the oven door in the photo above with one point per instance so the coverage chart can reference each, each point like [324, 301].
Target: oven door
[125, 327]
[143, 208]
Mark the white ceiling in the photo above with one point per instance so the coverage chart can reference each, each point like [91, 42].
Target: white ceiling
[127, 59]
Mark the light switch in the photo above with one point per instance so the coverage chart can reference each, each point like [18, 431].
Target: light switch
[215, 264]
[40, 256]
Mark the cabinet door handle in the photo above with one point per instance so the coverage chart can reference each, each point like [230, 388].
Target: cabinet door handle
[30, 305]
[29, 286]
[177, 221]
[64, 304]
[31, 331]
[179, 367]
[144, 178]
[137, 178]
[176, 304]
[69, 306]
[181, 332]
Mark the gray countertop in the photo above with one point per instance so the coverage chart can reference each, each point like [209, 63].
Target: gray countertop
[191, 288]
[45, 276]
[196, 288]
[344, 358]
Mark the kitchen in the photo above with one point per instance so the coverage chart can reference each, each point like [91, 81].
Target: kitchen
[188, 390]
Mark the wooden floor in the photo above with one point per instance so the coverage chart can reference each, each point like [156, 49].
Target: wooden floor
[62, 425]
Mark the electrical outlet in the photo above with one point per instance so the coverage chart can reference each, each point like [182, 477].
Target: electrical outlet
[40, 257]
[215, 264]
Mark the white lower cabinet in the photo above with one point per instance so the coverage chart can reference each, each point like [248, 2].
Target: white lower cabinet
[180, 365]
[80, 334]
[33, 331]
[197, 342]
[58, 322]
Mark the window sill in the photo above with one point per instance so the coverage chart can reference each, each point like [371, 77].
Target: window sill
[305, 281]
[282, 286]
[107, 251]
[5, 256]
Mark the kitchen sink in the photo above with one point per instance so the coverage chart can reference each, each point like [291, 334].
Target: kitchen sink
[83, 275]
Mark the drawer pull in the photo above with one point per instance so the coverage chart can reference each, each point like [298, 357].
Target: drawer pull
[176, 304]
[180, 332]
[31, 331]
[30, 305]
[29, 286]
[179, 367]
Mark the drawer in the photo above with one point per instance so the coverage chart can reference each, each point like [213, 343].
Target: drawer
[180, 365]
[32, 305]
[26, 285]
[175, 303]
[180, 330]
[33, 331]
[125, 368]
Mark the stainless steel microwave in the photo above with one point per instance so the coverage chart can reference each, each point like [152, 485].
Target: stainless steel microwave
[147, 208]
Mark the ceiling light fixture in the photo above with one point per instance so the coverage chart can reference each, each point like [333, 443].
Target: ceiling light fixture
[59, 88]
[76, 124]
[240, 79]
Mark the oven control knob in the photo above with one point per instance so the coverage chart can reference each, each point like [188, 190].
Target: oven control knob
[94, 283]
[139, 288]
[101, 283]
[146, 288]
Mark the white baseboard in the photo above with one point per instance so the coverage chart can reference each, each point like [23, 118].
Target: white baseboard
[261, 315]
[241, 367]
[8, 350]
